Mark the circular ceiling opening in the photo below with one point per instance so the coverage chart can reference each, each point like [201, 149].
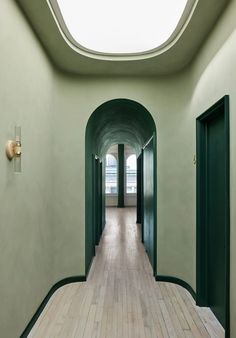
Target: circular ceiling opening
[124, 27]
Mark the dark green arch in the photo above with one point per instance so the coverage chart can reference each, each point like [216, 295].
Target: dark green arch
[113, 122]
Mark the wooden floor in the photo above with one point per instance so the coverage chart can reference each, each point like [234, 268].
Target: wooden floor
[121, 297]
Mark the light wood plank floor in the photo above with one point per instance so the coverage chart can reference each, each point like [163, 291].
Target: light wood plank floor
[121, 297]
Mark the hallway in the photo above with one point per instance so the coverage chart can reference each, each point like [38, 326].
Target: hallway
[121, 297]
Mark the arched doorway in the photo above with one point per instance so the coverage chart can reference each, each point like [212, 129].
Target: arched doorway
[120, 121]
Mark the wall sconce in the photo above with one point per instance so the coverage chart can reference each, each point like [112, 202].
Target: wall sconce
[13, 150]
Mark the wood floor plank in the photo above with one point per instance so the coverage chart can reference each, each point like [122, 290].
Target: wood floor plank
[121, 298]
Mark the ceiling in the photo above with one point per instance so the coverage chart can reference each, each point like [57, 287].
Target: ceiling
[123, 28]
[119, 121]
[170, 60]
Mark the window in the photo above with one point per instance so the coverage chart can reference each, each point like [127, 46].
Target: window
[131, 174]
[121, 27]
[111, 174]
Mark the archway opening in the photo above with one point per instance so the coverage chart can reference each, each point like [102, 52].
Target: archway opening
[122, 123]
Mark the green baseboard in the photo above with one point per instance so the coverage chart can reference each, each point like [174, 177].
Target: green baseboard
[178, 281]
[68, 280]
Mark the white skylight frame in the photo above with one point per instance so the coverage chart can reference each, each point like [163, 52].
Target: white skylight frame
[106, 55]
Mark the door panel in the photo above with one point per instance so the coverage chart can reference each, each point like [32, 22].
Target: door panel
[97, 197]
[100, 196]
[213, 211]
[139, 189]
[216, 217]
[149, 202]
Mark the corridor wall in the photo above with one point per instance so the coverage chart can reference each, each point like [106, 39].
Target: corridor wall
[26, 86]
[213, 76]
[77, 98]
[42, 214]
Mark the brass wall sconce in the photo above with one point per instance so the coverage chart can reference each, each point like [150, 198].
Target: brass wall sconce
[13, 150]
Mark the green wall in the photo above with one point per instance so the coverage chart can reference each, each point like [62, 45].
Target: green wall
[166, 99]
[43, 238]
[213, 76]
[26, 85]
[149, 201]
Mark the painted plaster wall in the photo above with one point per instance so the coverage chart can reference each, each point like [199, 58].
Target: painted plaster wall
[213, 76]
[26, 82]
[46, 230]
[77, 99]
[111, 201]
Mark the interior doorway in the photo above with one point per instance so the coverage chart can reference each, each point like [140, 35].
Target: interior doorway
[119, 133]
[213, 218]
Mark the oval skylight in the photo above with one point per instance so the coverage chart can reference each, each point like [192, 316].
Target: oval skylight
[121, 26]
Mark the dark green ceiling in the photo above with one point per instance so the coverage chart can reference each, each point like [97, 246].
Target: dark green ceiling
[119, 121]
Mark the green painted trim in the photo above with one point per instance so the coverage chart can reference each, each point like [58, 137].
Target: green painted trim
[55, 287]
[201, 243]
[139, 190]
[121, 176]
[154, 139]
[177, 281]
[90, 264]
[155, 201]
[142, 199]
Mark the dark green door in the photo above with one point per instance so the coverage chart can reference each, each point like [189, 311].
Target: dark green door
[96, 206]
[149, 202]
[213, 209]
[139, 189]
[216, 217]
[100, 206]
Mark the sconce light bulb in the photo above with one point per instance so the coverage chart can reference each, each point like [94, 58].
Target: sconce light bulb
[17, 148]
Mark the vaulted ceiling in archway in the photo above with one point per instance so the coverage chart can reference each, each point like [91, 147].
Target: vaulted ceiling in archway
[66, 54]
[119, 121]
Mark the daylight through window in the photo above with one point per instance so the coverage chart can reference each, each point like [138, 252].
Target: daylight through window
[111, 174]
[131, 174]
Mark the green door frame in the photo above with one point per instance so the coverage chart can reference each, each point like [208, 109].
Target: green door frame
[152, 256]
[139, 189]
[220, 107]
[121, 176]
[100, 198]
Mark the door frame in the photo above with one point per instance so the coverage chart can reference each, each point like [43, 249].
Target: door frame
[220, 107]
[154, 211]
[139, 190]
